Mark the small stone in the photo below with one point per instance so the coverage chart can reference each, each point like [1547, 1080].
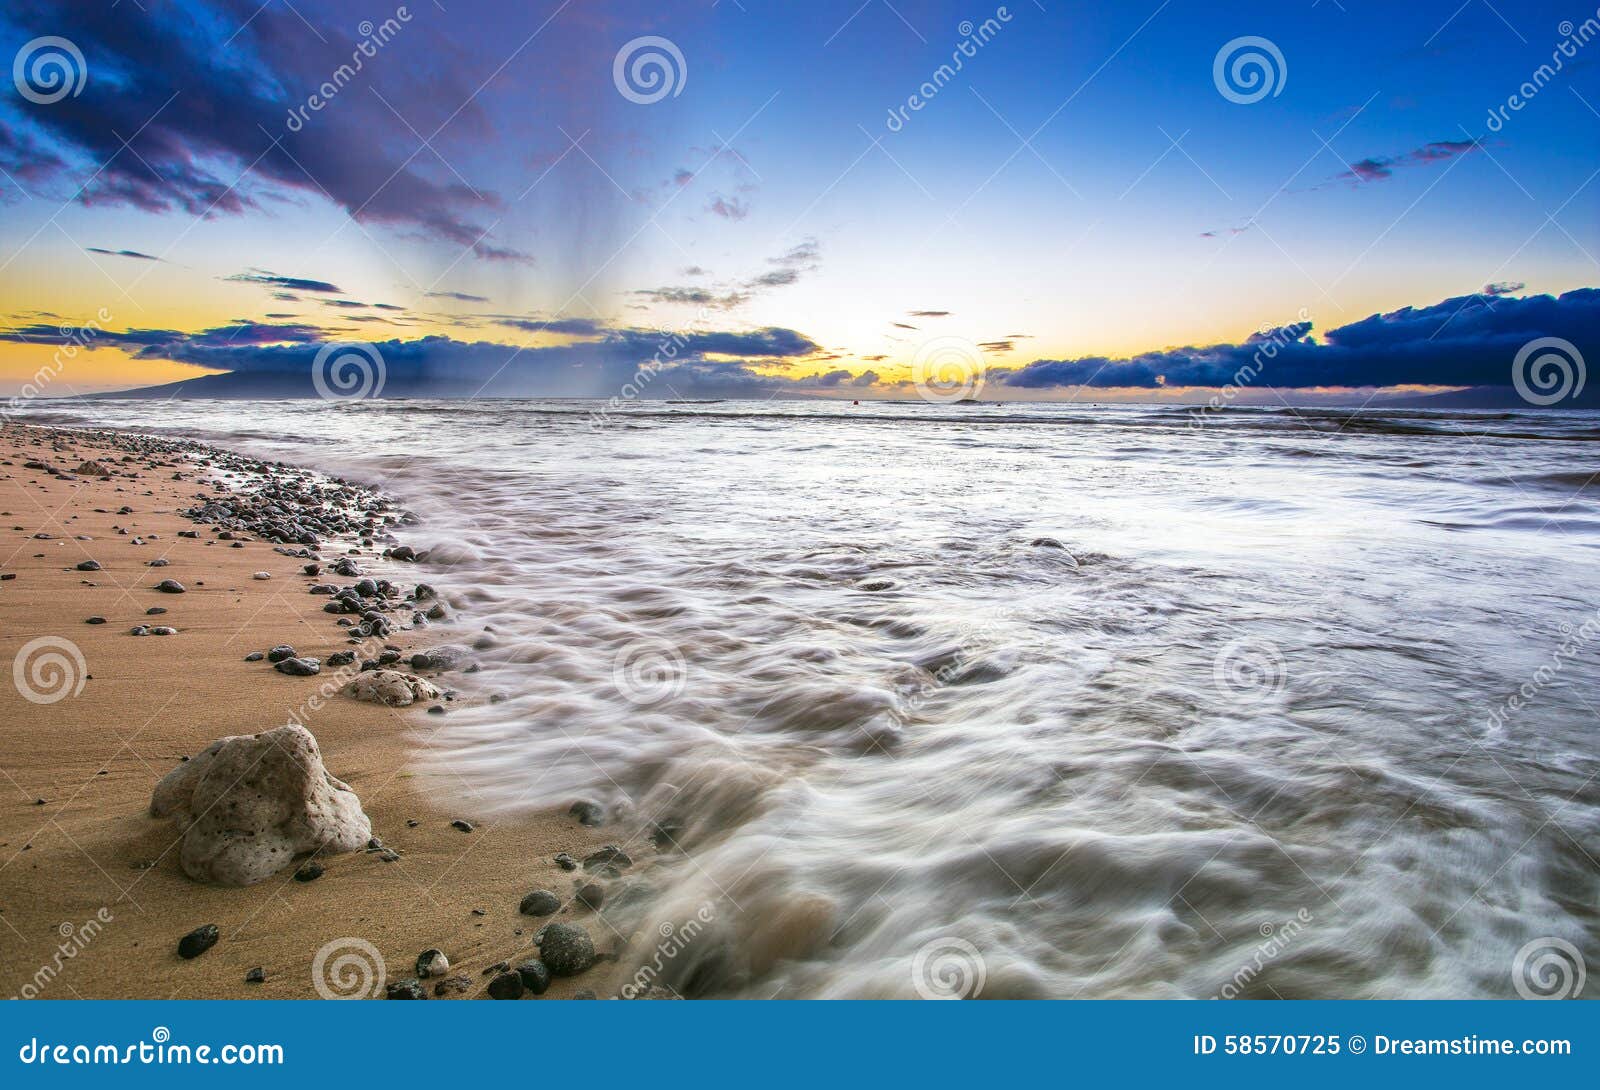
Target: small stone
[95, 620]
[155, 611]
[163, 630]
[565, 861]
[453, 985]
[610, 855]
[584, 993]
[254, 656]
[463, 825]
[299, 667]
[170, 586]
[280, 652]
[587, 813]
[566, 948]
[432, 963]
[198, 941]
[309, 872]
[592, 895]
[89, 565]
[262, 575]
[541, 902]
[139, 630]
[506, 986]
[160, 561]
[258, 975]
[535, 976]
[405, 989]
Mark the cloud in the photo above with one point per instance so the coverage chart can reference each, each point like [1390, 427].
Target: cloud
[729, 208]
[457, 296]
[122, 253]
[928, 313]
[204, 98]
[699, 297]
[1374, 169]
[789, 266]
[1466, 341]
[290, 283]
[1504, 287]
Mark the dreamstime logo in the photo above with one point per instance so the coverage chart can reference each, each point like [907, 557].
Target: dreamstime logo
[348, 372]
[973, 38]
[648, 671]
[1248, 671]
[49, 669]
[74, 940]
[48, 69]
[1548, 370]
[948, 968]
[1249, 69]
[648, 69]
[1549, 968]
[947, 369]
[348, 968]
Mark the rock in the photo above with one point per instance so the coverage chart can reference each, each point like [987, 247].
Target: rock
[280, 652]
[405, 989]
[92, 468]
[248, 804]
[163, 630]
[258, 975]
[198, 941]
[158, 562]
[138, 630]
[262, 575]
[610, 855]
[423, 592]
[584, 993]
[432, 963]
[447, 656]
[592, 896]
[535, 976]
[155, 611]
[254, 656]
[565, 861]
[298, 667]
[587, 813]
[89, 565]
[95, 620]
[391, 688]
[170, 586]
[453, 985]
[565, 948]
[462, 824]
[541, 902]
[309, 872]
[506, 986]
[341, 658]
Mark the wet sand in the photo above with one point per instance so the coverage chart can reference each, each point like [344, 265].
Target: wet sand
[92, 898]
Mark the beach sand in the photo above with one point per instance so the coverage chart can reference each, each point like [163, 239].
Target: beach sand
[77, 843]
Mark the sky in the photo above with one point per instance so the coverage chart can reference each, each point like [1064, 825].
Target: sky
[843, 199]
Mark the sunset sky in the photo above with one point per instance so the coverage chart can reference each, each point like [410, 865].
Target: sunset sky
[1081, 191]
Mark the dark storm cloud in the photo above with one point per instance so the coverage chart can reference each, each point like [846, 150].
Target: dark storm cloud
[1467, 341]
[287, 283]
[203, 98]
[122, 253]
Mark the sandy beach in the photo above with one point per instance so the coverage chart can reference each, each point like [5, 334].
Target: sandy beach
[93, 901]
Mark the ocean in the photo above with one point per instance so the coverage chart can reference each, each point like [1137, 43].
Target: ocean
[1018, 700]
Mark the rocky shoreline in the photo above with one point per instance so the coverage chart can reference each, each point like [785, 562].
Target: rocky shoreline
[258, 808]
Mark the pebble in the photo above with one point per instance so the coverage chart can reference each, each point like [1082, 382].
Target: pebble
[170, 586]
[299, 667]
[405, 989]
[254, 656]
[587, 813]
[280, 652]
[610, 855]
[506, 986]
[584, 993]
[198, 941]
[535, 976]
[263, 575]
[309, 872]
[258, 975]
[139, 630]
[432, 963]
[163, 630]
[592, 896]
[159, 562]
[341, 658]
[541, 902]
[155, 611]
[453, 985]
[565, 861]
[95, 620]
[462, 824]
[89, 565]
[565, 948]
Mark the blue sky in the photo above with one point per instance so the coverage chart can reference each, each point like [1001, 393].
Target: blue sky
[1080, 189]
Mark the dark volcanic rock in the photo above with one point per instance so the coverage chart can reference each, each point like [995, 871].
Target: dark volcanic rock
[280, 652]
[463, 825]
[198, 941]
[566, 948]
[610, 855]
[565, 861]
[170, 586]
[541, 902]
[309, 872]
[299, 667]
[535, 976]
[432, 963]
[587, 813]
[405, 989]
[592, 895]
[89, 565]
[258, 975]
[506, 986]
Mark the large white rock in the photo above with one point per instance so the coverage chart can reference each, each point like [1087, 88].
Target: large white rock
[391, 687]
[252, 802]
